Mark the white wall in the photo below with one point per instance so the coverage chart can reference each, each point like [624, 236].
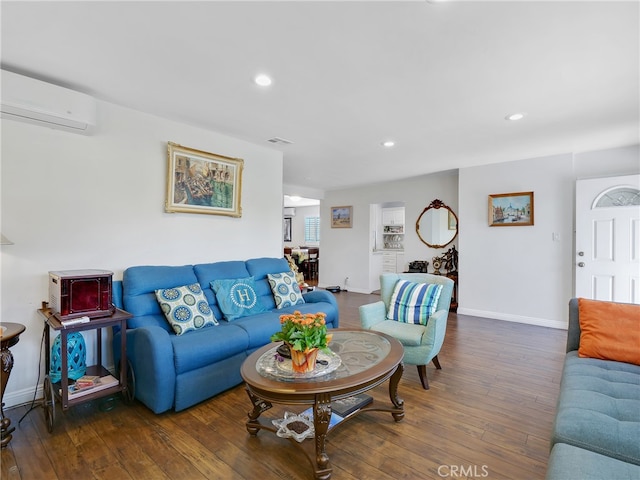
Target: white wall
[520, 273]
[75, 202]
[346, 251]
[509, 273]
[517, 273]
[607, 163]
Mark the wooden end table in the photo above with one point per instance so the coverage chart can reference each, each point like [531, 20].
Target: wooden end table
[9, 336]
[367, 359]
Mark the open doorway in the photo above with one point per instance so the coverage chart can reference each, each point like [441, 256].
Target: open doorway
[301, 235]
[387, 226]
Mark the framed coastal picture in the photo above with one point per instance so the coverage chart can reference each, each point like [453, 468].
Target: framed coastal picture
[203, 182]
[341, 217]
[511, 209]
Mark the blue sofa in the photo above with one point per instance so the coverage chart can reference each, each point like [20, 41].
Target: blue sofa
[596, 434]
[178, 371]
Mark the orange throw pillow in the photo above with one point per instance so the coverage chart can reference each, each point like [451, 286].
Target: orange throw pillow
[609, 331]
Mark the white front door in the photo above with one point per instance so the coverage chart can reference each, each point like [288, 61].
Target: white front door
[607, 265]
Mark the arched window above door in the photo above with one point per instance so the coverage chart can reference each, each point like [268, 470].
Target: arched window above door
[618, 197]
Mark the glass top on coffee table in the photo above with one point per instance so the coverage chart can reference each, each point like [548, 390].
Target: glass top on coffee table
[350, 352]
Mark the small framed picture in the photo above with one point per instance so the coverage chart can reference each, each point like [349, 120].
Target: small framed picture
[511, 209]
[203, 182]
[287, 229]
[341, 217]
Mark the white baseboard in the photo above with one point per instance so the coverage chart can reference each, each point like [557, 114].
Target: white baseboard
[22, 397]
[356, 290]
[541, 322]
[349, 289]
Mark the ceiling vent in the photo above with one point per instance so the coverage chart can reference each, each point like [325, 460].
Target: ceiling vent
[32, 101]
[280, 141]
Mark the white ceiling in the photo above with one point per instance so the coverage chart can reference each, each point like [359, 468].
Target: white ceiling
[438, 78]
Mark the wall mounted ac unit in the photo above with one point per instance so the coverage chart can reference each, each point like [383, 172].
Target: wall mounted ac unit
[29, 100]
[289, 212]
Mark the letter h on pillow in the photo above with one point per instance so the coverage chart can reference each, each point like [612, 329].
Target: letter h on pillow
[237, 297]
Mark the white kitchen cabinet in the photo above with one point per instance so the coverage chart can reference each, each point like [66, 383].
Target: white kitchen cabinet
[393, 262]
[393, 216]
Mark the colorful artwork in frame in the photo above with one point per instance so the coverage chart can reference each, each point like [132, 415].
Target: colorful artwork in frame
[511, 209]
[341, 217]
[203, 182]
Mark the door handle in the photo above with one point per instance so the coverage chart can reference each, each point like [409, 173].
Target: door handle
[581, 264]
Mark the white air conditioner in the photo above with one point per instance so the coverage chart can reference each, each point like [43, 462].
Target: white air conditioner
[29, 100]
[289, 212]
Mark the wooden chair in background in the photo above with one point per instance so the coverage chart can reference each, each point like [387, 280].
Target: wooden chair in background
[310, 265]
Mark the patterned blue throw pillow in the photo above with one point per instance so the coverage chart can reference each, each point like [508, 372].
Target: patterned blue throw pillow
[413, 302]
[237, 297]
[286, 291]
[186, 308]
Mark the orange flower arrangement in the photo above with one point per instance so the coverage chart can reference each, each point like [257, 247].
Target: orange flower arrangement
[303, 332]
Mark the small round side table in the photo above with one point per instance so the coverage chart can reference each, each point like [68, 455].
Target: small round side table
[9, 336]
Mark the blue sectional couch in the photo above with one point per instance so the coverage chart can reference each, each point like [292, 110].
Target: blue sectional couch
[178, 371]
[596, 434]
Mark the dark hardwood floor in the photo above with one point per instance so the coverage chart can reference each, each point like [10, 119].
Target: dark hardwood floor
[488, 414]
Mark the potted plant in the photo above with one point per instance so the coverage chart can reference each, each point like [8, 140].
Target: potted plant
[305, 335]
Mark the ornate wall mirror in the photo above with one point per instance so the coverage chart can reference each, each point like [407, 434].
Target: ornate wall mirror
[437, 225]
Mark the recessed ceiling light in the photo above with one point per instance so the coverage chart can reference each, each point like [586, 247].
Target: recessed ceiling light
[263, 80]
[515, 116]
[388, 143]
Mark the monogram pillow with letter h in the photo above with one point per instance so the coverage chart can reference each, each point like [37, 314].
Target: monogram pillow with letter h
[237, 297]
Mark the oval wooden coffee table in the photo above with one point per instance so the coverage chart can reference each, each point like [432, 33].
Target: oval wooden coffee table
[366, 359]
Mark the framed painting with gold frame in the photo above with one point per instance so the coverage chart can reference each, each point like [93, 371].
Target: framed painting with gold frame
[511, 209]
[203, 182]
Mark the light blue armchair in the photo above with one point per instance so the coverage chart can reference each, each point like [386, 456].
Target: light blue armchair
[421, 343]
